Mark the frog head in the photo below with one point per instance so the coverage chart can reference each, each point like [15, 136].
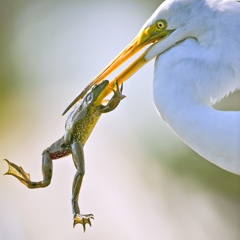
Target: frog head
[96, 95]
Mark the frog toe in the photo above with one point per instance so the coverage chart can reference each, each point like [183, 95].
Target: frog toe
[83, 219]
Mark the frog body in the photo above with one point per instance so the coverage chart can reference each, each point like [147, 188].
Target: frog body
[78, 128]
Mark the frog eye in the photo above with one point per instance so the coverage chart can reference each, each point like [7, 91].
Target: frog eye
[161, 24]
[89, 97]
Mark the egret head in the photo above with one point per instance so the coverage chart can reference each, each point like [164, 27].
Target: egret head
[184, 19]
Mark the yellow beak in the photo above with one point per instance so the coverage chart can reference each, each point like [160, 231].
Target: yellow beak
[149, 35]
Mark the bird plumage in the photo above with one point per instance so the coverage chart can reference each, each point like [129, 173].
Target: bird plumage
[201, 68]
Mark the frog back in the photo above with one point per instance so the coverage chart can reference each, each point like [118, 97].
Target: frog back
[81, 122]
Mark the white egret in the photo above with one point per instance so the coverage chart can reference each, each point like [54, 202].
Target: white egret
[197, 48]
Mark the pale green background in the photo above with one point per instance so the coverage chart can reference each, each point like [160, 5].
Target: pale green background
[141, 181]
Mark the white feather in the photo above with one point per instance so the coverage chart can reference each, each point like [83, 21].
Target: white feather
[197, 65]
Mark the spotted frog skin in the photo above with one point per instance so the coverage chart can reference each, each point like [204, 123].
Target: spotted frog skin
[78, 128]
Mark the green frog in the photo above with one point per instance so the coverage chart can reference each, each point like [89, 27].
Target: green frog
[78, 128]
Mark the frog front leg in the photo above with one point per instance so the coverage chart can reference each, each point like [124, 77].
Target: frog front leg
[114, 101]
[78, 159]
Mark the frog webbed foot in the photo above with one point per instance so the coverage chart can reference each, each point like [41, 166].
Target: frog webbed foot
[24, 177]
[82, 219]
[17, 172]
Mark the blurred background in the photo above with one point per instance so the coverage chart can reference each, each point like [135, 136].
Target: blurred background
[141, 181]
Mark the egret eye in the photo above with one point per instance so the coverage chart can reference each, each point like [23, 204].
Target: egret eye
[161, 24]
[89, 97]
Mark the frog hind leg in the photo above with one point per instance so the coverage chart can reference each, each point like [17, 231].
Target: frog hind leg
[78, 159]
[23, 177]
